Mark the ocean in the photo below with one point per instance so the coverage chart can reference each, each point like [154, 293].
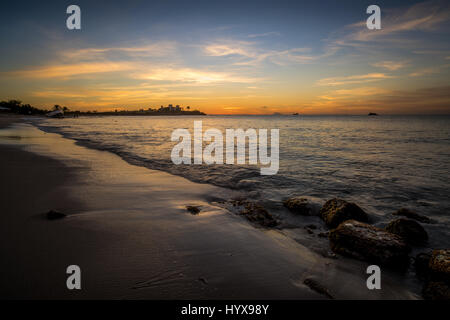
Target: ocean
[382, 163]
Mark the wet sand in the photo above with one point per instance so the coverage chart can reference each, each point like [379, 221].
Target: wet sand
[132, 237]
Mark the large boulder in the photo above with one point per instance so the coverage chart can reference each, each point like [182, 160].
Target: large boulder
[365, 242]
[336, 211]
[410, 230]
[300, 205]
[412, 215]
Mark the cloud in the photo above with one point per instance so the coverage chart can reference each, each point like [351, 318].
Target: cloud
[363, 91]
[192, 76]
[266, 34]
[390, 65]
[225, 49]
[157, 49]
[428, 71]
[427, 16]
[355, 79]
[417, 101]
[249, 54]
[71, 70]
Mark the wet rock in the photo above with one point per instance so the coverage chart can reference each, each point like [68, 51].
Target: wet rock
[258, 214]
[336, 211]
[440, 265]
[436, 273]
[369, 243]
[436, 290]
[193, 209]
[317, 287]
[408, 229]
[298, 205]
[54, 215]
[412, 215]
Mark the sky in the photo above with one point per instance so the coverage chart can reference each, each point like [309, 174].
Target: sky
[228, 57]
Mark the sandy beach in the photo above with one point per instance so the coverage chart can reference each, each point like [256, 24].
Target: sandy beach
[129, 231]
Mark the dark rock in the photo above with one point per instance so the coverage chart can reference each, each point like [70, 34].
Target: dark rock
[410, 230]
[436, 290]
[412, 215]
[369, 243]
[336, 211]
[54, 215]
[317, 287]
[298, 205]
[438, 274]
[193, 209]
[440, 265]
[259, 215]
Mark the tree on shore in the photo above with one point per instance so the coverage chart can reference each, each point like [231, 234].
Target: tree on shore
[16, 106]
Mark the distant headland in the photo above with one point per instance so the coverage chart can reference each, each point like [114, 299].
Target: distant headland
[16, 106]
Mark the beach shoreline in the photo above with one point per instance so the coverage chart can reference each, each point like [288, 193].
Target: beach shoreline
[129, 231]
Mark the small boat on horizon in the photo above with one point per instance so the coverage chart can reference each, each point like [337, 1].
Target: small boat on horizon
[372, 114]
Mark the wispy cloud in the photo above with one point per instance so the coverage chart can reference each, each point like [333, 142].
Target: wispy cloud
[230, 48]
[391, 65]
[363, 91]
[429, 70]
[157, 49]
[266, 34]
[427, 16]
[192, 76]
[71, 70]
[355, 79]
[250, 54]
[385, 101]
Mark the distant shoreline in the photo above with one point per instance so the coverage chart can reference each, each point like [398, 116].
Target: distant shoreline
[135, 113]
